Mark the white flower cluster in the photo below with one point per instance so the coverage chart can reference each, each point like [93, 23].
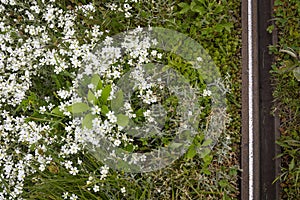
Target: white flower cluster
[15, 164]
[107, 64]
[123, 7]
[37, 37]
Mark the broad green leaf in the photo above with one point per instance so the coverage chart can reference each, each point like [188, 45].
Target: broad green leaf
[87, 121]
[91, 97]
[207, 142]
[206, 171]
[56, 111]
[198, 9]
[78, 108]
[191, 152]
[118, 102]
[223, 183]
[105, 93]
[207, 159]
[96, 81]
[104, 109]
[204, 152]
[122, 120]
[175, 145]
[297, 73]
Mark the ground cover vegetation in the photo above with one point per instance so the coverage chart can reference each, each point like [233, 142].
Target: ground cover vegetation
[49, 107]
[285, 76]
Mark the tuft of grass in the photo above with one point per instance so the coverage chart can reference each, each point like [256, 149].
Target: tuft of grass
[287, 93]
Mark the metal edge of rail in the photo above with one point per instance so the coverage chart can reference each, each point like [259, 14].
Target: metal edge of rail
[259, 126]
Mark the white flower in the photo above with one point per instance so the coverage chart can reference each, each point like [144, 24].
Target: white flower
[113, 7]
[96, 188]
[68, 164]
[117, 143]
[104, 172]
[111, 117]
[65, 195]
[128, 14]
[42, 109]
[74, 171]
[74, 197]
[123, 190]
[42, 167]
[159, 55]
[96, 110]
[199, 59]
[206, 93]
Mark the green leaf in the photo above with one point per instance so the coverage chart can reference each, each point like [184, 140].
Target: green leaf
[78, 108]
[207, 142]
[185, 7]
[207, 159]
[223, 183]
[191, 153]
[122, 120]
[228, 26]
[204, 152]
[199, 9]
[193, 4]
[206, 171]
[104, 109]
[292, 165]
[87, 121]
[56, 111]
[129, 148]
[218, 9]
[118, 102]
[175, 145]
[91, 97]
[96, 81]
[297, 73]
[105, 93]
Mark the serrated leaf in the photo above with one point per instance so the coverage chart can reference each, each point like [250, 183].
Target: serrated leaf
[118, 102]
[91, 97]
[87, 121]
[122, 120]
[105, 93]
[78, 108]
